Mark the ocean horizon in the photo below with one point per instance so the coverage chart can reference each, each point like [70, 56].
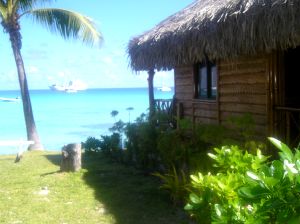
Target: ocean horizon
[63, 118]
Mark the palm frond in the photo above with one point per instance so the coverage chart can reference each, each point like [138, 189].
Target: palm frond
[67, 23]
[3, 10]
[26, 5]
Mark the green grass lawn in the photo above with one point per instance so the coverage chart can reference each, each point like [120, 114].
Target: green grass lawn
[33, 191]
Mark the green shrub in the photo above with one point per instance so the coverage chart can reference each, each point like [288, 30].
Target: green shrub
[142, 145]
[214, 197]
[118, 127]
[92, 145]
[110, 145]
[247, 188]
[209, 135]
[176, 184]
[173, 148]
[242, 127]
[273, 191]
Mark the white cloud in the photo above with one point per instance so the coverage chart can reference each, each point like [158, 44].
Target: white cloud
[32, 69]
[36, 54]
[118, 52]
[50, 78]
[107, 60]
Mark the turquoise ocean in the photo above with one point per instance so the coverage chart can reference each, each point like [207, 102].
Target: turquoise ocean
[63, 118]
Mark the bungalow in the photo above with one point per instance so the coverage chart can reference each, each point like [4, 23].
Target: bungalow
[230, 57]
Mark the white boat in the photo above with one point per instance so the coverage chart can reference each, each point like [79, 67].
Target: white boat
[164, 89]
[57, 87]
[72, 87]
[71, 90]
[6, 99]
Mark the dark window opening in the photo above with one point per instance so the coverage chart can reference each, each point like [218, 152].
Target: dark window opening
[206, 80]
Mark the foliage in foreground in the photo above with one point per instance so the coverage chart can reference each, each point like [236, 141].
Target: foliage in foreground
[247, 188]
[243, 186]
[154, 146]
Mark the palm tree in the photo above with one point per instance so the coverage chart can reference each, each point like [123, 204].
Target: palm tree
[67, 23]
[129, 109]
[114, 113]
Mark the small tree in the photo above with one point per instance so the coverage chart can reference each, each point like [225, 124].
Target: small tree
[114, 113]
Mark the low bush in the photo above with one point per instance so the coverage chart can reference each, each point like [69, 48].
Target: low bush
[142, 145]
[92, 144]
[176, 184]
[247, 188]
[111, 146]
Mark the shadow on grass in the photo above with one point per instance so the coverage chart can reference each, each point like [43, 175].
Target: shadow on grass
[130, 196]
[55, 158]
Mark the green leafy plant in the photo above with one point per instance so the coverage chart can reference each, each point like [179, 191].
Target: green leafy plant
[175, 183]
[110, 145]
[118, 127]
[210, 134]
[248, 188]
[236, 160]
[173, 148]
[274, 190]
[142, 145]
[214, 197]
[114, 113]
[243, 126]
[92, 144]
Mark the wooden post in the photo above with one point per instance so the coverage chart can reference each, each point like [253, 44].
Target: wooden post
[151, 91]
[71, 157]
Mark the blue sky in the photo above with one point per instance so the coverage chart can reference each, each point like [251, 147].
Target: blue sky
[49, 59]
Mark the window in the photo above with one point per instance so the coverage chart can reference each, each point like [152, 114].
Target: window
[206, 80]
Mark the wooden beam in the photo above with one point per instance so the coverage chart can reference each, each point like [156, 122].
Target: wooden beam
[151, 91]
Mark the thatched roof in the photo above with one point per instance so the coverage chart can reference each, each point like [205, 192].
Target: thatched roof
[217, 29]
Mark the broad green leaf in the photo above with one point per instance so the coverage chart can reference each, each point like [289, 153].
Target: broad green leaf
[213, 156]
[297, 164]
[271, 181]
[218, 210]
[290, 167]
[298, 182]
[286, 152]
[195, 199]
[297, 154]
[221, 185]
[188, 207]
[252, 192]
[277, 170]
[252, 175]
[197, 179]
[246, 192]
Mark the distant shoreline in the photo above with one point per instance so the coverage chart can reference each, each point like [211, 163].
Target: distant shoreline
[89, 89]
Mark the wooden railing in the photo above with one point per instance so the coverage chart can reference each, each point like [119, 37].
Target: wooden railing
[164, 108]
[164, 105]
[289, 123]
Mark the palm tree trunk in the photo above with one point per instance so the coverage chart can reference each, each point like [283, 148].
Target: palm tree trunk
[32, 134]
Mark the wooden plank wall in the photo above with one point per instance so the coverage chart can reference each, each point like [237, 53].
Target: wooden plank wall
[205, 112]
[184, 88]
[242, 89]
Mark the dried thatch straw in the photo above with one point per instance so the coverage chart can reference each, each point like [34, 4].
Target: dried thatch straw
[217, 29]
